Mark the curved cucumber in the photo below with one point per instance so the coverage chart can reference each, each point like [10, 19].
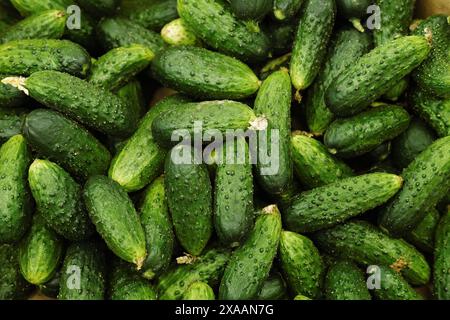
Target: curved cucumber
[394, 287]
[155, 14]
[176, 33]
[286, 9]
[423, 235]
[12, 284]
[11, 122]
[199, 291]
[345, 281]
[441, 277]
[249, 10]
[127, 284]
[274, 288]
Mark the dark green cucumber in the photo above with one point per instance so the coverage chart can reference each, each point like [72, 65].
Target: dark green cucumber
[345, 281]
[423, 235]
[118, 66]
[199, 291]
[29, 7]
[127, 284]
[155, 14]
[11, 97]
[207, 268]
[15, 206]
[99, 7]
[349, 9]
[362, 133]
[367, 245]
[407, 146]
[275, 173]
[301, 264]
[313, 164]
[51, 288]
[24, 57]
[82, 101]
[155, 219]
[132, 93]
[58, 200]
[310, 44]
[441, 276]
[274, 288]
[346, 46]
[427, 181]
[377, 155]
[353, 90]
[65, 142]
[11, 121]
[216, 25]
[83, 272]
[334, 203]
[40, 253]
[12, 285]
[251, 10]
[286, 9]
[281, 36]
[204, 74]
[242, 280]
[115, 219]
[176, 33]
[394, 287]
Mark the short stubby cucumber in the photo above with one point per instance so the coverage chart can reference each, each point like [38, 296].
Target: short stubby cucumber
[176, 33]
[274, 288]
[286, 9]
[251, 10]
[423, 235]
[393, 286]
[441, 276]
[155, 14]
[199, 291]
[11, 122]
[12, 284]
[127, 284]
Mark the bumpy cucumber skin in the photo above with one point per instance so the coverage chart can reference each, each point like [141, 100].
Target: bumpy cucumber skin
[115, 219]
[176, 33]
[353, 91]
[204, 74]
[132, 93]
[65, 142]
[99, 7]
[394, 287]
[127, 284]
[352, 8]
[423, 235]
[12, 285]
[82, 101]
[40, 252]
[334, 203]
[310, 44]
[15, 203]
[313, 164]
[301, 264]
[250, 264]
[86, 260]
[160, 239]
[427, 180]
[199, 291]
[155, 14]
[207, 268]
[441, 276]
[286, 9]
[274, 288]
[251, 10]
[216, 25]
[24, 57]
[367, 245]
[346, 46]
[29, 7]
[11, 97]
[345, 281]
[58, 200]
[362, 133]
[11, 121]
[274, 103]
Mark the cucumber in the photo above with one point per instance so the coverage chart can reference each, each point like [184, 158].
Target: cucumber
[207, 268]
[204, 74]
[346, 46]
[349, 9]
[251, 10]
[274, 288]
[314, 31]
[301, 297]
[274, 103]
[427, 180]
[353, 91]
[11, 97]
[423, 235]
[394, 287]
[118, 66]
[58, 200]
[214, 23]
[275, 65]
[199, 291]
[12, 285]
[15, 204]
[45, 25]
[11, 121]
[133, 95]
[176, 33]
[155, 219]
[51, 288]
[99, 7]
[281, 36]
[66, 143]
[29, 7]
[351, 137]
[367, 245]
[345, 281]
[189, 196]
[377, 155]
[441, 277]
[155, 14]
[127, 284]
[334, 203]
[115, 219]
[24, 57]
[141, 159]
[83, 272]
[241, 279]
[313, 164]
[40, 253]
[407, 146]
[286, 9]
[86, 34]
[301, 264]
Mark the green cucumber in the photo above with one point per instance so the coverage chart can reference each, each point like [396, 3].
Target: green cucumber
[377, 155]
[334, 203]
[12, 285]
[11, 121]
[353, 90]
[423, 235]
[313, 164]
[15, 206]
[274, 288]
[65, 142]
[251, 10]
[367, 245]
[394, 287]
[214, 23]
[24, 57]
[427, 181]
[11, 97]
[349, 9]
[275, 65]
[199, 291]
[310, 44]
[99, 7]
[441, 276]
[29, 7]
[286, 9]
[85, 35]
[301, 297]
[301, 264]
[126, 284]
[132, 93]
[281, 35]
[83, 273]
[176, 33]
[58, 200]
[345, 281]
[362, 133]
[115, 219]
[204, 74]
[155, 14]
[241, 279]
[40, 253]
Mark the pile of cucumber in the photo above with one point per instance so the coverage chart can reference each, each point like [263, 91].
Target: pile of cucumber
[93, 205]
